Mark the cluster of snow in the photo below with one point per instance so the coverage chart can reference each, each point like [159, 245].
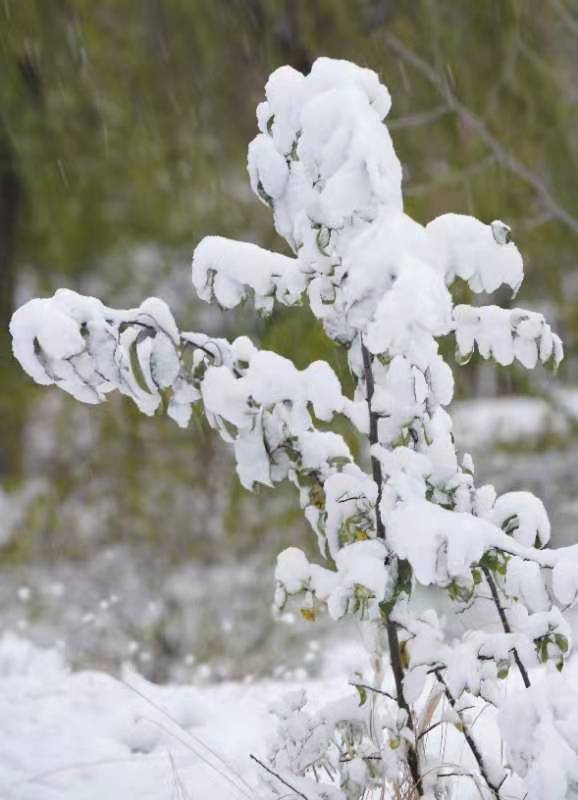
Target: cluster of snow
[89, 349]
[358, 584]
[226, 269]
[506, 335]
[540, 731]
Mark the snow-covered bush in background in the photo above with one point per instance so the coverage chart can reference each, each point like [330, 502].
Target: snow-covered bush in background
[414, 522]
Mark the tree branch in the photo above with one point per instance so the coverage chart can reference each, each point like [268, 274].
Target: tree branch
[451, 178]
[372, 689]
[423, 118]
[505, 623]
[391, 627]
[468, 737]
[471, 120]
[279, 778]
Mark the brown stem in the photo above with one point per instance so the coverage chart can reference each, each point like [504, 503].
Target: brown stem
[391, 627]
[505, 623]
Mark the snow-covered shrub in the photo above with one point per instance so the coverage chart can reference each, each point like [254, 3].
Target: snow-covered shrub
[414, 523]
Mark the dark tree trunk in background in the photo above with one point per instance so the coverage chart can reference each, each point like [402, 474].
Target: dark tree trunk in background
[10, 207]
[11, 197]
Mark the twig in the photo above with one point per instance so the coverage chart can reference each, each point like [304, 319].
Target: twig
[373, 689]
[248, 791]
[505, 624]
[451, 177]
[565, 15]
[468, 736]
[423, 118]
[430, 729]
[279, 778]
[497, 148]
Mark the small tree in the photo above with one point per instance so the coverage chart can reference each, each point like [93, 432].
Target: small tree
[324, 163]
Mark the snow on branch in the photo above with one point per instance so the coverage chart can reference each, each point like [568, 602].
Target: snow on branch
[257, 400]
[483, 255]
[225, 270]
[506, 334]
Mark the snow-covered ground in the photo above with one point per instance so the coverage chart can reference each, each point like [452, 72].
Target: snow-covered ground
[88, 736]
[489, 422]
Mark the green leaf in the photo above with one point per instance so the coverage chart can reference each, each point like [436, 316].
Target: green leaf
[362, 694]
[561, 642]
[135, 367]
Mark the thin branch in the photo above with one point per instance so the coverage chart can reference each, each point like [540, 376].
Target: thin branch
[430, 728]
[471, 120]
[570, 22]
[279, 778]
[415, 120]
[535, 222]
[468, 736]
[505, 623]
[450, 178]
[345, 760]
[373, 689]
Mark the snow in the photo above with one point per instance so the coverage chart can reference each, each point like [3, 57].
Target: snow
[506, 335]
[224, 270]
[442, 544]
[565, 582]
[540, 730]
[483, 255]
[87, 735]
[359, 567]
[524, 516]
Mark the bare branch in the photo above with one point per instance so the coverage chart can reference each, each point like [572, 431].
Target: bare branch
[505, 158]
[505, 623]
[372, 689]
[451, 177]
[279, 778]
[566, 16]
[495, 789]
[423, 118]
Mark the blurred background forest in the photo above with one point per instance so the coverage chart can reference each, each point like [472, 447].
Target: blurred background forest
[123, 133]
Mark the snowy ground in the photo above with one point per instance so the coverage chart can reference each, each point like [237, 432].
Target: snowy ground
[88, 736]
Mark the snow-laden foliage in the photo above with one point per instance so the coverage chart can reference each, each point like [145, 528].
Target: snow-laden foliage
[415, 522]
